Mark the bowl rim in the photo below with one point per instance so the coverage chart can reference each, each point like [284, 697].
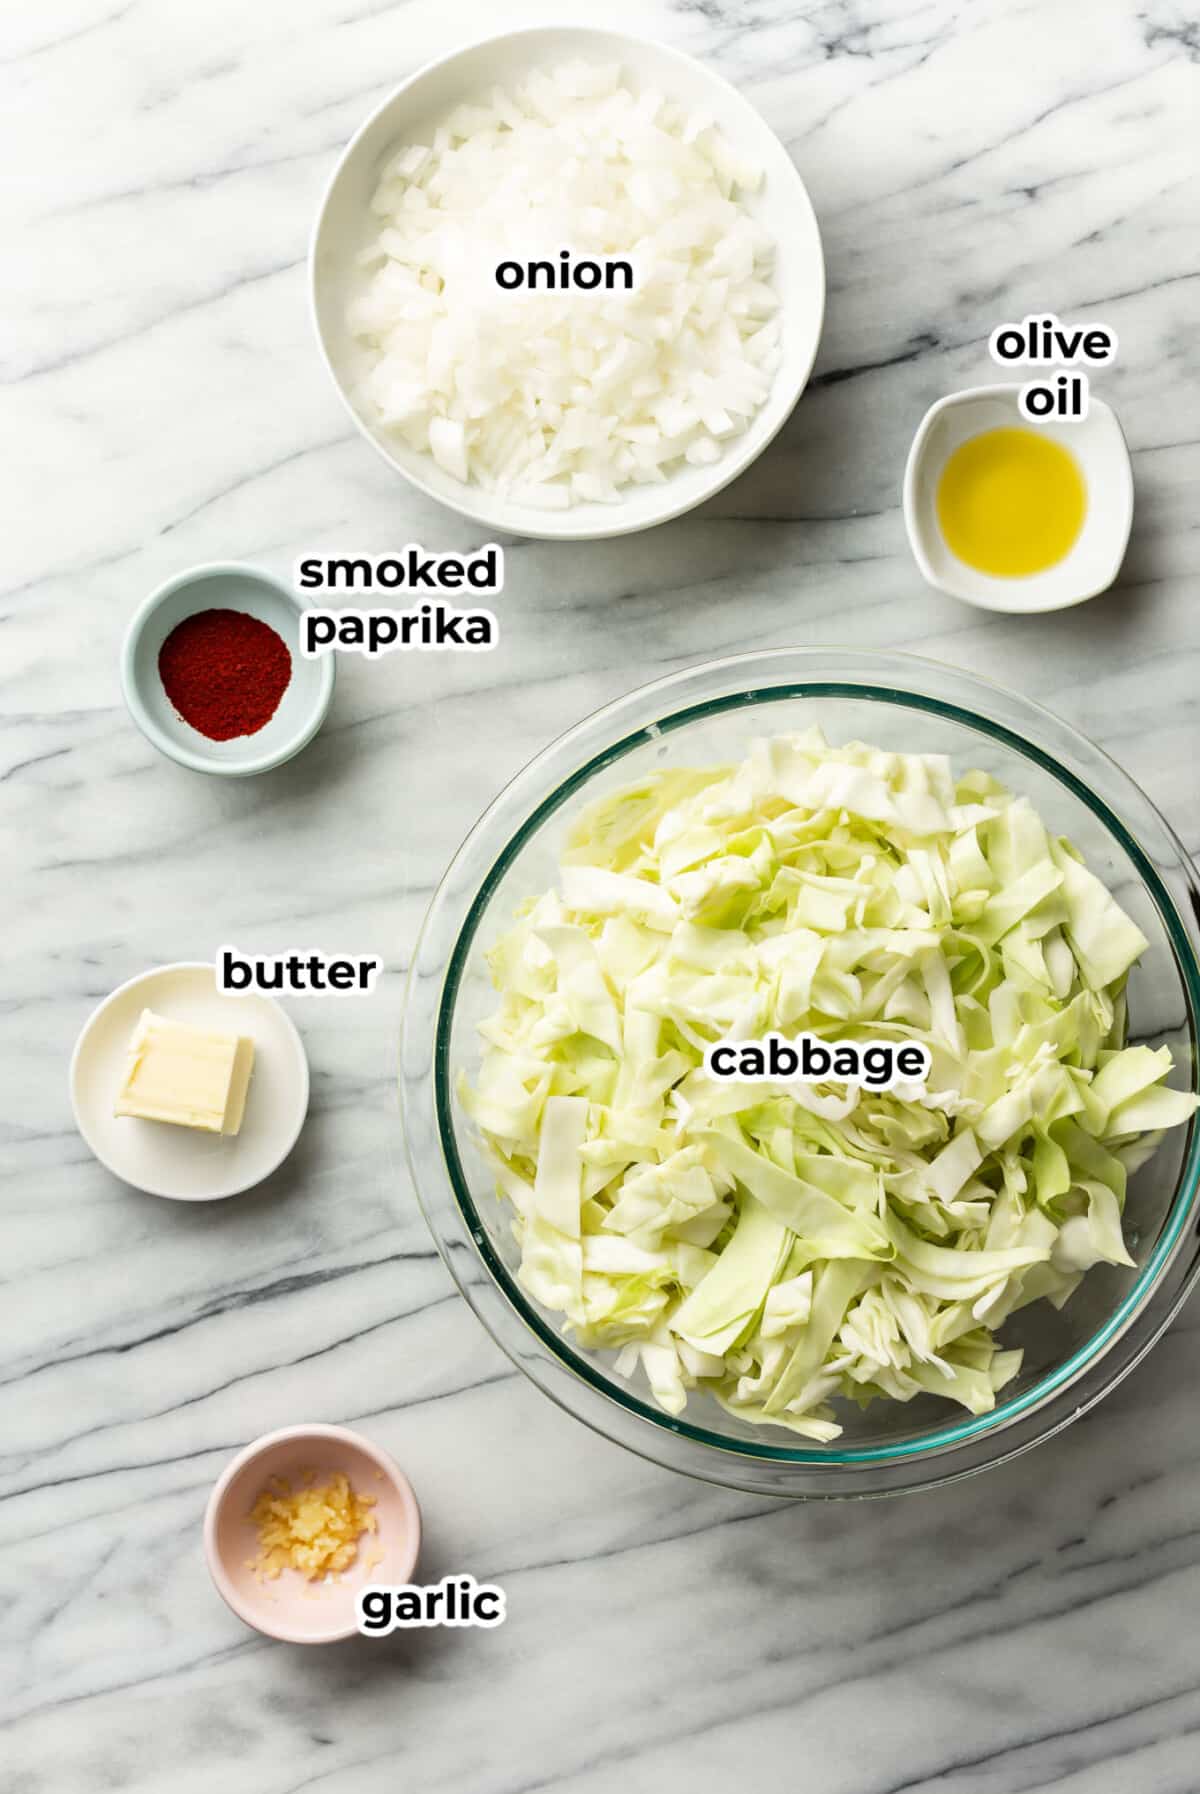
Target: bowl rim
[499, 516]
[165, 743]
[257, 1447]
[945, 1439]
[1122, 478]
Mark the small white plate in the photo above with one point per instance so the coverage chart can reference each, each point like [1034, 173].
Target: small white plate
[1098, 445]
[183, 1162]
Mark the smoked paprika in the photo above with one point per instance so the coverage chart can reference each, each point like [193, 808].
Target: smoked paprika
[225, 672]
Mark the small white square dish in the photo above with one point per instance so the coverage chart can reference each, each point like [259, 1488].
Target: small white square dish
[1097, 445]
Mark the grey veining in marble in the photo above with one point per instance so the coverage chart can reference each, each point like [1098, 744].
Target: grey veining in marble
[163, 404]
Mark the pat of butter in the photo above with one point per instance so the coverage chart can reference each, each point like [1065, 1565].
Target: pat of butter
[191, 1076]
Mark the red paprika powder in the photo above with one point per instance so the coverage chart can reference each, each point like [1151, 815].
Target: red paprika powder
[225, 672]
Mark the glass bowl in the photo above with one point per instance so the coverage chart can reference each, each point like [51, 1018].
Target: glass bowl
[710, 714]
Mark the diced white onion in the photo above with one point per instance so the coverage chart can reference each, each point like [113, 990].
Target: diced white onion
[556, 397]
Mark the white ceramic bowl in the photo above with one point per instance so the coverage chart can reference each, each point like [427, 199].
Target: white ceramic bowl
[1099, 447]
[344, 225]
[224, 585]
[182, 1162]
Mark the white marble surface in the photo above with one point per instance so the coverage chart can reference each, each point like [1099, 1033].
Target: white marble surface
[163, 404]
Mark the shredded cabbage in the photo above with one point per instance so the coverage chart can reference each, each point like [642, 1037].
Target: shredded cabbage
[777, 1244]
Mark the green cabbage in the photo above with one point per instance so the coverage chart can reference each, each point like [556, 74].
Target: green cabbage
[781, 1245]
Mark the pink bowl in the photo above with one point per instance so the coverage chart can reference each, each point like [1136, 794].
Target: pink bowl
[292, 1608]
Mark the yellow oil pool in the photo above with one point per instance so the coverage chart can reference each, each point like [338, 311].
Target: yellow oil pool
[1011, 502]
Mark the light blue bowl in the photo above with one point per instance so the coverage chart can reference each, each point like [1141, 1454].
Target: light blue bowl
[223, 586]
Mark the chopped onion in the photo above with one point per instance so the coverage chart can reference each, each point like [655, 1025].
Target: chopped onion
[554, 397]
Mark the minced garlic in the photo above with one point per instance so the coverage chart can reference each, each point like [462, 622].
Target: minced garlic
[314, 1529]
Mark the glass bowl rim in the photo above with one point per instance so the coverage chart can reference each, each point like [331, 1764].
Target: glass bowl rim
[1085, 1357]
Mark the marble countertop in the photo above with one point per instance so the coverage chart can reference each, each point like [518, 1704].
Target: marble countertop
[164, 404]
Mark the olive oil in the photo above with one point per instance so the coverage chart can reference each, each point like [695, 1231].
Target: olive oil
[1011, 502]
